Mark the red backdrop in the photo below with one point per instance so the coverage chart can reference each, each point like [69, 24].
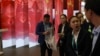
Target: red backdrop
[22, 16]
[7, 18]
[58, 12]
[70, 8]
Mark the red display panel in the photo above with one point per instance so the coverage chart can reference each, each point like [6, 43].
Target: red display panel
[58, 12]
[79, 5]
[25, 17]
[19, 19]
[7, 18]
[32, 13]
[70, 8]
[36, 11]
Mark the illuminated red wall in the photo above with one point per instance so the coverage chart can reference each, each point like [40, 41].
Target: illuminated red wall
[58, 12]
[7, 18]
[20, 17]
[32, 11]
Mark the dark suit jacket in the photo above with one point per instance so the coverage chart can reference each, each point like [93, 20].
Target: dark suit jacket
[39, 31]
[66, 30]
[86, 25]
[83, 42]
[96, 51]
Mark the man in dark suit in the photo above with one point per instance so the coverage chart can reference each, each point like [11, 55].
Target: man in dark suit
[92, 11]
[41, 31]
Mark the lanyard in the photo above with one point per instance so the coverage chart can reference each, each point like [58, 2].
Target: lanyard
[74, 44]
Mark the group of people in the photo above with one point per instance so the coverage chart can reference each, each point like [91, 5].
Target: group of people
[77, 37]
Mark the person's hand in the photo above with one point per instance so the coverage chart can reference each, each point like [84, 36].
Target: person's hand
[46, 33]
[61, 34]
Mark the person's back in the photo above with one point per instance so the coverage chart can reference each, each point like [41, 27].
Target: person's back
[92, 11]
[88, 26]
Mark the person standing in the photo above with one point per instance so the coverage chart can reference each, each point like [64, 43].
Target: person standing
[1, 52]
[78, 40]
[63, 29]
[85, 23]
[1, 30]
[80, 16]
[92, 12]
[42, 32]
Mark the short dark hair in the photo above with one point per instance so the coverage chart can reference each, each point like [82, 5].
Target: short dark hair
[46, 16]
[94, 5]
[63, 15]
[73, 17]
[78, 13]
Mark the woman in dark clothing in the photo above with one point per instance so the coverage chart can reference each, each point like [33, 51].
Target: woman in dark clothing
[62, 31]
[78, 42]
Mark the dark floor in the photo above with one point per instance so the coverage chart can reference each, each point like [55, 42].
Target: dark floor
[24, 51]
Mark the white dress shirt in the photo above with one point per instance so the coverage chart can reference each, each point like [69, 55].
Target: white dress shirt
[95, 32]
[62, 31]
[75, 35]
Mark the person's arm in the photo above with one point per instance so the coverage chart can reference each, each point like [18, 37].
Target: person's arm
[59, 31]
[59, 28]
[88, 42]
[38, 30]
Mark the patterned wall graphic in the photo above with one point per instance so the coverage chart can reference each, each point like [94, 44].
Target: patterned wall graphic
[20, 17]
[32, 11]
[7, 21]
[6, 18]
[70, 8]
[58, 12]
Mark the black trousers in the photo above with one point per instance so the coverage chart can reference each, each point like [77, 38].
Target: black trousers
[43, 49]
[61, 50]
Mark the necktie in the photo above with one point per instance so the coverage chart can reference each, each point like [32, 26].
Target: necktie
[74, 44]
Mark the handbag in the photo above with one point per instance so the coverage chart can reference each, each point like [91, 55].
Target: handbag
[50, 40]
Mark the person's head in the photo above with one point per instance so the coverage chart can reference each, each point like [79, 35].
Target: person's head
[63, 18]
[92, 11]
[75, 23]
[46, 18]
[80, 16]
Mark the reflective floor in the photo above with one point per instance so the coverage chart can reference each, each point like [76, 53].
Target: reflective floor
[24, 51]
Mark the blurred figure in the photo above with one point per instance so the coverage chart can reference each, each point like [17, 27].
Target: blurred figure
[92, 11]
[62, 31]
[78, 40]
[85, 24]
[1, 30]
[42, 32]
[80, 16]
[1, 52]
